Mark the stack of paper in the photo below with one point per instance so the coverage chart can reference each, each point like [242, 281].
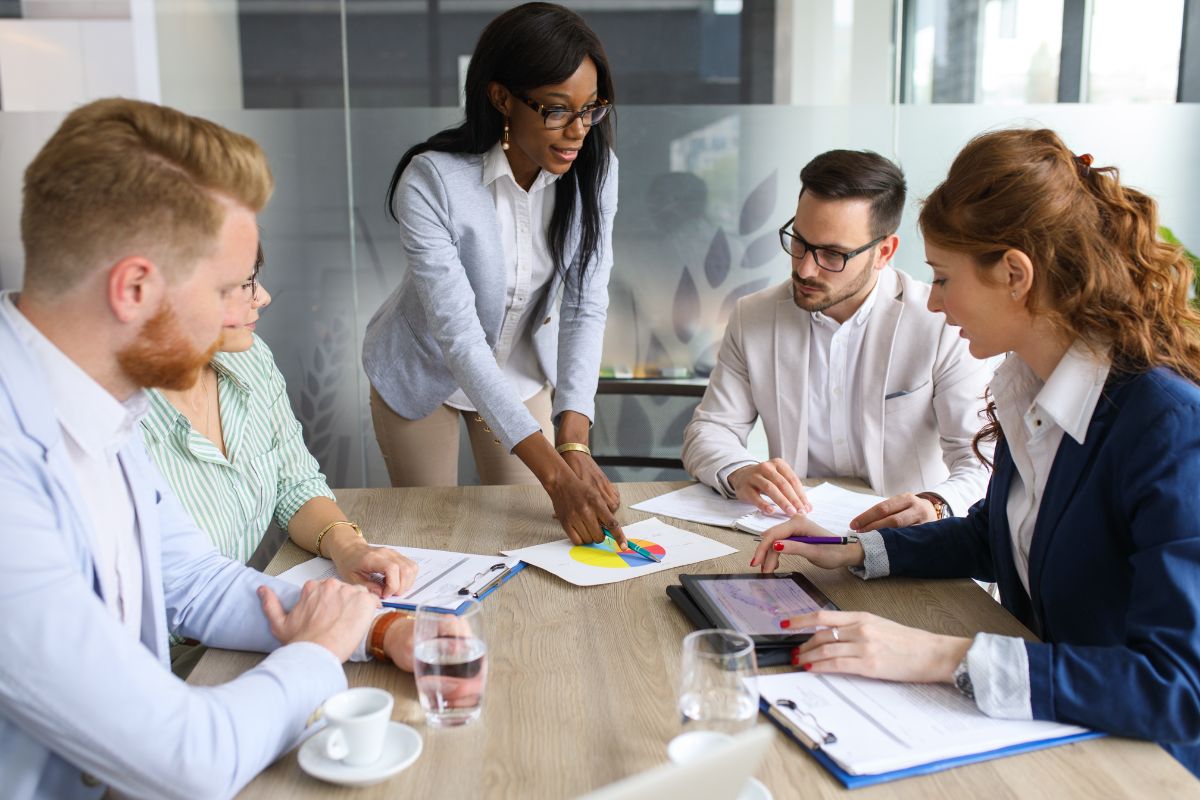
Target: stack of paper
[882, 727]
[833, 508]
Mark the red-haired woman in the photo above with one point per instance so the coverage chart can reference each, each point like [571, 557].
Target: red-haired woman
[1091, 523]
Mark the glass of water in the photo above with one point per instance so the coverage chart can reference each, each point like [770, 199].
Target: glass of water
[450, 661]
[718, 688]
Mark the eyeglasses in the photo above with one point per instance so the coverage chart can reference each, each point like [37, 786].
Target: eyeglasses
[830, 260]
[250, 287]
[557, 117]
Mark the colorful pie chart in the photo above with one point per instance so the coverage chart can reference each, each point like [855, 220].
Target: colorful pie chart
[606, 554]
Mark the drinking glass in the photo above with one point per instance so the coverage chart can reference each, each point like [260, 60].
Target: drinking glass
[718, 689]
[450, 661]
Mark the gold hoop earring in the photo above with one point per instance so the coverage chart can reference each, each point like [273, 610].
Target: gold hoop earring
[504, 139]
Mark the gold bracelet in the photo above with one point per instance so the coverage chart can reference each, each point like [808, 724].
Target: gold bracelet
[567, 447]
[328, 527]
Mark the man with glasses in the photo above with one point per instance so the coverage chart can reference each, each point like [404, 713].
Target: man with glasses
[850, 372]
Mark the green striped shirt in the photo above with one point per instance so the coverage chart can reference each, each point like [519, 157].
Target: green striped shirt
[268, 472]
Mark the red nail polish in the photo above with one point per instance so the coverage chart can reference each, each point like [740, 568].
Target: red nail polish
[796, 655]
[785, 623]
[778, 545]
[806, 667]
[795, 662]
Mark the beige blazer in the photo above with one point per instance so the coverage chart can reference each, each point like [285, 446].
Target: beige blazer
[923, 393]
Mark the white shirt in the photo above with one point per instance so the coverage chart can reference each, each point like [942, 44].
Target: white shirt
[1034, 417]
[524, 219]
[835, 381]
[95, 425]
[835, 446]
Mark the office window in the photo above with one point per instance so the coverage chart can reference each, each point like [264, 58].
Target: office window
[983, 51]
[1134, 52]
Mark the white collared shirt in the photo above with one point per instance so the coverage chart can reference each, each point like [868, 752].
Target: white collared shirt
[524, 219]
[835, 392]
[1034, 417]
[95, 426]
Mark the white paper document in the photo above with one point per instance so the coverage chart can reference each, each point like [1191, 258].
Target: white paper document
[441, 574]
[833, 508]
[594, 564]
[882, 726]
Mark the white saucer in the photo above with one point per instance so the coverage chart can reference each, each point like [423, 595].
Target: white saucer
[400, 748]
[754, 790]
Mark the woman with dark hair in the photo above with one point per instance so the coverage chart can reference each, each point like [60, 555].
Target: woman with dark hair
[1091, 523]
[506, 221]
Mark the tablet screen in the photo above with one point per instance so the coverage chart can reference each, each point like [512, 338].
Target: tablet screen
[755, 606]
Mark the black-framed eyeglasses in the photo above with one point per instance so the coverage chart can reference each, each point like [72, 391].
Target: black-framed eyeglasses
[250, 287]
[557, 117]
[827, 259]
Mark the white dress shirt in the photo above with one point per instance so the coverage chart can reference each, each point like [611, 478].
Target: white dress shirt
[95, 425]
[524, 218]
[1034, 417]
[835, 396]
[835, 444]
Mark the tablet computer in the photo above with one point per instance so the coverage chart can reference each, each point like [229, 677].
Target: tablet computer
[753, 603]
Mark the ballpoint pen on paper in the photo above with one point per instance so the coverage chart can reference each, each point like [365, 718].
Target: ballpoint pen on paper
[636, 548]
[487, 587]
[822, 539]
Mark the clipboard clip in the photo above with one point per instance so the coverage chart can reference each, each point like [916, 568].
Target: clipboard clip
[497, 572]
[826, 736]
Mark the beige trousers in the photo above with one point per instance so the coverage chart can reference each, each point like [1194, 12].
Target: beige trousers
[424, 452]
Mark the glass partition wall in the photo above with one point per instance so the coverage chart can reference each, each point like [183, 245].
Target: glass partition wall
[720, 103]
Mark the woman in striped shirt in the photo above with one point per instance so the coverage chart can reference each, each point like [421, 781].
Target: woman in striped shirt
[231, 448]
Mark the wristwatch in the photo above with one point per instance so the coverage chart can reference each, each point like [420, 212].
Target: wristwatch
[940, 506]
[962, 680]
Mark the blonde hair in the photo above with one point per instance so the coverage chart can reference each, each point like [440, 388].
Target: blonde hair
[123, 177]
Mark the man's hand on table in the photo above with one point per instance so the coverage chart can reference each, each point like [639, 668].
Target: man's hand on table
[775, 479]
[898, 511]
[330, 613]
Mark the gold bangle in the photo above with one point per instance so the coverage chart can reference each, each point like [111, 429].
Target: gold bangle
[329, 527]
[567, 447]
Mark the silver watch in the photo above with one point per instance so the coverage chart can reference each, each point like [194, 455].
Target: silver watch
[962, 679]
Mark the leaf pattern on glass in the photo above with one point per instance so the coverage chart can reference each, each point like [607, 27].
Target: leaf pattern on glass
[761, 250]
[758, 206]
[749, 287]
[686, 309]
[718, 259]
[317, 404]
[707, 361]
[656, 354]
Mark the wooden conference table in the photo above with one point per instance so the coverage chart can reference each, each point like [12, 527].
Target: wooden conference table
[581, 685]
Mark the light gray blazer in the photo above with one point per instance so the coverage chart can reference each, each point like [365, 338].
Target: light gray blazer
[438, 330]
[922, 391]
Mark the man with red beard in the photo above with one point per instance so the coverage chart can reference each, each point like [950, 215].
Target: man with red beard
[138, 224]
[850, 372]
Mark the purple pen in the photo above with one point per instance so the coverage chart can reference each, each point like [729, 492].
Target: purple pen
[822, 539]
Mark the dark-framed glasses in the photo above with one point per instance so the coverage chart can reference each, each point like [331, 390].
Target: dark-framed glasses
[827, 259]
[558, 117]
[250, 287]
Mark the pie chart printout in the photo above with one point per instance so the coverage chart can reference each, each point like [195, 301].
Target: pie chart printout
[605, 554]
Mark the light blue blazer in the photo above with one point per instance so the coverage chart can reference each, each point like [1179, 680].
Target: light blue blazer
[79, 698]
[438, 330]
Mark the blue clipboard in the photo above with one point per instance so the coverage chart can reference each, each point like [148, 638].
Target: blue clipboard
[520, 565]
[859, 781]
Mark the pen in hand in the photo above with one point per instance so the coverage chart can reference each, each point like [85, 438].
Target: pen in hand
[822, 539]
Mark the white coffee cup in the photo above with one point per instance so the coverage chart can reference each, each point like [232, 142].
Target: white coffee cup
[359, 721]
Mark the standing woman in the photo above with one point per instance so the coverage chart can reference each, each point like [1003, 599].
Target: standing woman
[507, 224]
[1091, 523]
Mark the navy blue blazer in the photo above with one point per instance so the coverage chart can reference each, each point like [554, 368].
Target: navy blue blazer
[1114, 566]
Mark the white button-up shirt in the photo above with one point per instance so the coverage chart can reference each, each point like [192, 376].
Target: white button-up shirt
[95, 425]
[835, 382]
[524, 218]
[1034, 417]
